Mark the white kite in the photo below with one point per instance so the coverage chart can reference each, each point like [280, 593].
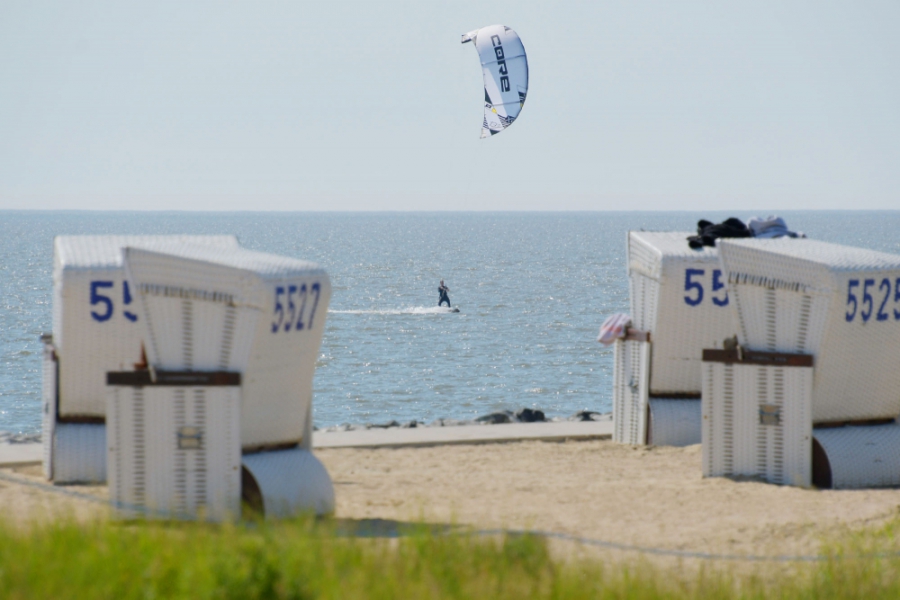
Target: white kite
[505, 75]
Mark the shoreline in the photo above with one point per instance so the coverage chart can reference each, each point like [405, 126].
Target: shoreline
[30, 450]
[523, 415]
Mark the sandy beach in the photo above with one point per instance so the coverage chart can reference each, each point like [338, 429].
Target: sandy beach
[642, 496]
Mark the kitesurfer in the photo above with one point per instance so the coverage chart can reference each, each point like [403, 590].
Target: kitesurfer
[443, 290]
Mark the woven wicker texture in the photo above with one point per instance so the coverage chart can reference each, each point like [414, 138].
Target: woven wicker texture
[235, 309]
[862, 457]
[838, 303]
[48, 405]
[630, 392]
[174, 452]
[196, 316]
[644, 301]
[291, 482]
[79, 453]
[94, 317]
[678, 295]
[756, 422]
[674, 422]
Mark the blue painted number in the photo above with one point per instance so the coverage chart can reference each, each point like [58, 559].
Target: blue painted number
[292, 289]
[126, 297]
[98, 298]
[690, 284]
[897, 299]
[297, 297]
[694, 286]
[279, 309]
[718, 285]
[867, 299]
[886, 286]
[315, 288]
[302, 307]
[851, 298]
[866, 304]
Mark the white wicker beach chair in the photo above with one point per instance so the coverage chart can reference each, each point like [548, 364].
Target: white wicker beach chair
[235, 309]
[630, 392]
[287, 482]
[838, 303]
[95, 326]
[674, 422]
[49, 372]
[95, 330]
[678, 296]
[174, 445]
[857, 456]
[82, 458]
[756, 416]
[258, 314]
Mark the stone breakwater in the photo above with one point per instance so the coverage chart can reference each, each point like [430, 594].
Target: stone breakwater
[523, 415]
[19, 438]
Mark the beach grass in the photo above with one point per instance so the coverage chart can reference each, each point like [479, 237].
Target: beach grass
[308, 558]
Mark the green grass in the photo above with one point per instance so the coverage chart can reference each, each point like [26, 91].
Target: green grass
[310, 559]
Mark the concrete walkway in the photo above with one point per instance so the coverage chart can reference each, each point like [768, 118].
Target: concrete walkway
[17, 455]
[13, 455]
[463, 434]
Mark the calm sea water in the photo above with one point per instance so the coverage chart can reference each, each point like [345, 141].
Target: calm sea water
[533, 289]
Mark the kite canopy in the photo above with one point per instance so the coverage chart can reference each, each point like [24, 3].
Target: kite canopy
[505, 75]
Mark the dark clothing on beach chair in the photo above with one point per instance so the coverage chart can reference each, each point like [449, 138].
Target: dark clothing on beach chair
[708, 233]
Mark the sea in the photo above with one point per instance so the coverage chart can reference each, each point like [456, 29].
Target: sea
[532, 289]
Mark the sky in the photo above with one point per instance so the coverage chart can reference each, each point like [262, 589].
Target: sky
[361, 105]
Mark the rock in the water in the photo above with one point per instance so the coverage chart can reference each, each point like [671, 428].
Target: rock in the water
[450, 423]
[496, 418]
[410, 424]
[583, 415]
[530, 415]
[590, 415]
[387, 425]
[19, 438]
